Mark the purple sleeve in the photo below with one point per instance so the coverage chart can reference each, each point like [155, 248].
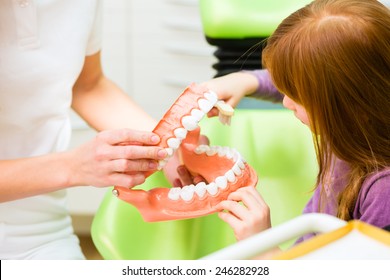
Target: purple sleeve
[373, 203]
[266, 89]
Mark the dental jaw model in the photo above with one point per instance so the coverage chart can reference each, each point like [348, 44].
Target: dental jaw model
[222, 167]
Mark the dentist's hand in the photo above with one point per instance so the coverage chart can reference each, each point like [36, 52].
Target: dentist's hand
[115, 158]
[178, 173]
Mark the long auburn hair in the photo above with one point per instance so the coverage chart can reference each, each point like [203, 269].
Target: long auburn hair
[333, 58]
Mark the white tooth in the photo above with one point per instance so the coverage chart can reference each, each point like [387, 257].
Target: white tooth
[212, 97]
[221, 151]
[229, 153]
[187, 192]
[174, 193]
[221, 182]
[212, 188]
[161, 164]
[198, 150]
[200, 184]
[224, 108]
[173, 143]
[230, 176]
[206, 148]
[236, 170]
[201, 149]
[236, 154]
[197, 114]
[212, 151]
[241, 164]
[225, 120]
[180, 133]
[205, 105]
[200, 189]
[189, 123]
[169, 151]
[188, 187]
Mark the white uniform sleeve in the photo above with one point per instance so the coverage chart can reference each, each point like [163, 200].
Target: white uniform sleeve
[95, 38]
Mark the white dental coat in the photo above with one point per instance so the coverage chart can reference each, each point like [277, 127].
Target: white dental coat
[43, 44]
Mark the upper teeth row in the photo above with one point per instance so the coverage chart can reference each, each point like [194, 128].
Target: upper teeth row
[221, 151]
[189, 123]
[187, 192]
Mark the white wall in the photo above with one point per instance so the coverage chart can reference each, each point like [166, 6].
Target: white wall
[152, 49]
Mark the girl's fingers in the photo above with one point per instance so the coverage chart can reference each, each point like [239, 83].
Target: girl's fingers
[255, 194]
[238, 210]
[230, 219]
[249, 196]
[247, 212]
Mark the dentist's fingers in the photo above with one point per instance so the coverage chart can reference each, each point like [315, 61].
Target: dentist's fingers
[129, 136]
[133, 152]
[124, 165]
[185, 175]
[115, 152]
[186, 178]
[203, 140]
[127, 180]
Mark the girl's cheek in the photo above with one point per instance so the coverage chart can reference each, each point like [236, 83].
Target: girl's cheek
[305, 120]
[287, 103]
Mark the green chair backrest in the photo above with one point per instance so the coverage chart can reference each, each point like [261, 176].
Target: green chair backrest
[273, 142]
[238, 19]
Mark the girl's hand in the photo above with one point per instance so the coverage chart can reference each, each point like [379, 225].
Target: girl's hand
[247, 218]
[231, 88]
[115, 158]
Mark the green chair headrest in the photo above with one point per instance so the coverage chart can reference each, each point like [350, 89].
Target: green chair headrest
[237, 19]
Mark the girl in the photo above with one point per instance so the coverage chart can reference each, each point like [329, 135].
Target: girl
[330, 63]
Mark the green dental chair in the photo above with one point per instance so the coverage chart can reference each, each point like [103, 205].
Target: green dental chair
[273, 142]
